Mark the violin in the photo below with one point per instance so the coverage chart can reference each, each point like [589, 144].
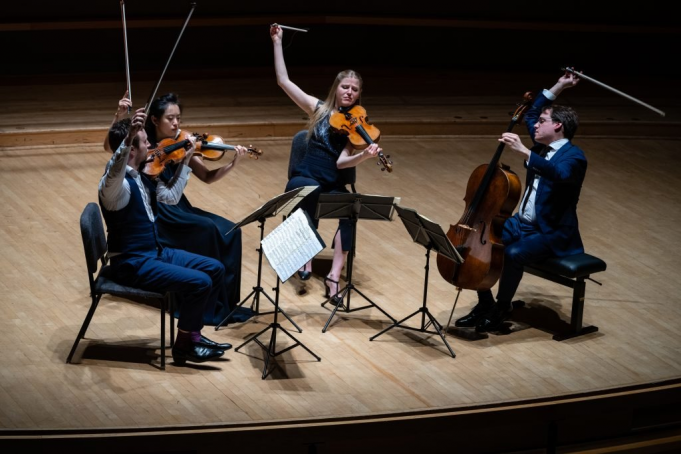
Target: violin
[210, 147]
[354, 123]
[492, 193]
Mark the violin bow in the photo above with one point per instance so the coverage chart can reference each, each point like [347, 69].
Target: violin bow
[286, 27]
[153, 94]
[127, 62]
[614, 90]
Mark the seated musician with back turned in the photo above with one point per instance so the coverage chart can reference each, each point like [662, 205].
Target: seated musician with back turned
[546, 223]
[128, 200]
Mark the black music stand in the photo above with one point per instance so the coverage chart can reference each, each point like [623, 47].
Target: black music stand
[431, 236]
[268, 210]
[291, 263]
[353, 206]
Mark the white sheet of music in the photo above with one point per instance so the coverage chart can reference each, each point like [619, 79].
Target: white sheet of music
[292, 244]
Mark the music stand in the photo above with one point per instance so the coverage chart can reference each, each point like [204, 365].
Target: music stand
[431, 236]
[271, 208]
[353, 206]
[288, 247]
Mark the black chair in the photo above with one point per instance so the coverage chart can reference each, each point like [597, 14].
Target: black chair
[298, 150]
[570, 271]
[94, 243]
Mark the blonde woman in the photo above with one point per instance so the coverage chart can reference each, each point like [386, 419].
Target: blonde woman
[327, 152]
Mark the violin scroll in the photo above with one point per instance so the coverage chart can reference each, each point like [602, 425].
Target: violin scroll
[385, 162]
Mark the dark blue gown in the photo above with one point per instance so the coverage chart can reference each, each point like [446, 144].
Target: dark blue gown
[183, 226]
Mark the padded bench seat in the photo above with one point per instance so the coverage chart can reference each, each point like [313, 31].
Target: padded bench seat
[571, 271]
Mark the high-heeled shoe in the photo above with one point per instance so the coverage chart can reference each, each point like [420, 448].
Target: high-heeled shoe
[335, 299]
[304, 275]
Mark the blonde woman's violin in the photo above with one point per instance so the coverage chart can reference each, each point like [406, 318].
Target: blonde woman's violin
[355, 124]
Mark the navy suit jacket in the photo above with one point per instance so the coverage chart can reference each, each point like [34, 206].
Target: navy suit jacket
[559, 187]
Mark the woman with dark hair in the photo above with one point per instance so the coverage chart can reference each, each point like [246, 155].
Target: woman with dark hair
[327, 153]
[186, 227]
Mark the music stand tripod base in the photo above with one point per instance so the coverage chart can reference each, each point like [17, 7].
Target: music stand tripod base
[289, 246]
[431, 236]
[353, 206]
[271, 348]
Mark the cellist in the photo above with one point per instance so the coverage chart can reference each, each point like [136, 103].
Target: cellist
[546, 223]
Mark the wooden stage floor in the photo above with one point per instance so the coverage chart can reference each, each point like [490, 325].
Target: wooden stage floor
[629, 216]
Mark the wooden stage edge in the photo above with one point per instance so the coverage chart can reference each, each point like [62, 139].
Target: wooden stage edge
[644, 417]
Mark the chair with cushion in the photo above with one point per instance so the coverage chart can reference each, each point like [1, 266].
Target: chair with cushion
[101, 280]
[570, 271]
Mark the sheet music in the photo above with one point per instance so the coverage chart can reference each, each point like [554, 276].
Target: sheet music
[292, 244]
[286, 209]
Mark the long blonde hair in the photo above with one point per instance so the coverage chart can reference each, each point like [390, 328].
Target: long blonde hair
[330, 102]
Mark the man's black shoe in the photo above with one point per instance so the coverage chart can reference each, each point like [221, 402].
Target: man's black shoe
[493, 319]
[474, 317]
[195, 354]
[205, 342]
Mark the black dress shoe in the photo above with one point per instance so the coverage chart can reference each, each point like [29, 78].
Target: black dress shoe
[195, 354]
[205, 342]
[304, 275]
[474, 317]
[493, 319]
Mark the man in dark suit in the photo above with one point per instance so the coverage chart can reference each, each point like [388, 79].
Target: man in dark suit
[128, 200]
[546, 223]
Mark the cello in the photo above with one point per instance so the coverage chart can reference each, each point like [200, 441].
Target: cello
[492, 193]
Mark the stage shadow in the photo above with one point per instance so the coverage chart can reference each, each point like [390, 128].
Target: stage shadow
[426, 342]
[282, 365]
[543, 315]
[128, 354]
[142, 351]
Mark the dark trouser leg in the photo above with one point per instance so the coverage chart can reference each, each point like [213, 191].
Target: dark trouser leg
[194, 278]
[524, 245]
[344, 225]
